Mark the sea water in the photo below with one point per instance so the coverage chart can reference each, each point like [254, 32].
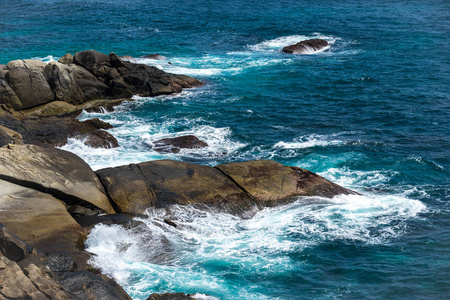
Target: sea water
[370, 112]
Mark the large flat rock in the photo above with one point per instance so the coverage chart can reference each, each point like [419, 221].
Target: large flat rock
[39, 219]
[134, 188]
[54, 171]
[270, 182]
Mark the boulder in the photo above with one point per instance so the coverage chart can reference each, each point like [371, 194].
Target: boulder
[161, 183]
[306, 47]
[92, 87]
[30, 86]
[173, 145]
[55, 171]
[95, 62]
[55, 108]
[39, 219]
[66, 59]
[31, 64]
[63, 82]
[11, 246]
[270, 183]
[8, 96]
[155, 56]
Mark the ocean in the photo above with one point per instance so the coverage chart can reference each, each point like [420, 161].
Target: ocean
[371, 112]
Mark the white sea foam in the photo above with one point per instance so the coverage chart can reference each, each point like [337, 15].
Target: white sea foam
[307, 141]
[46, 59]
[261, 246]
[278, 43]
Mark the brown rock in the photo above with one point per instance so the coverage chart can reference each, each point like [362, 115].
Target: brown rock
[55, 108]
[269, 182]
[171, 296]
[173, 145]
[8, 96]
[305, 47]
[39, 219]
[155, 56]
[160, 183]
[56, 171]
[66, 59]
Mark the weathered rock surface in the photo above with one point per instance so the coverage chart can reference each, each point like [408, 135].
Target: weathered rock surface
[66, 59]
[62, 80]
[174, 145]
[30, 86]
[236, 188]
[27, 64]
[171, 296]
[55, 108]
[39, 219]
[134, 188]
[8, 136]
[305, 47]
[270, 182]
[27, 273]
[8, 96]
[55, 171]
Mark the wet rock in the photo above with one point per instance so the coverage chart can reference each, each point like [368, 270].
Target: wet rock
[66, 59]
[86, 285]
[305, 47]
[102, 106]
[97, 123]
[128, 58]
[160, 183]
[30, 86]
[54, 171]
[173, 145]
[270, 183]
[171, 296]
[100, 139]
[155, 56]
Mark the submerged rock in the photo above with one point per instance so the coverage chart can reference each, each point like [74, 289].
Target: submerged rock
[171, 296]
[305, 47]
[173, 145]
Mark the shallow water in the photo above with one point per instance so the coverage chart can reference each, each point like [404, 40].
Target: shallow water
[371, 113]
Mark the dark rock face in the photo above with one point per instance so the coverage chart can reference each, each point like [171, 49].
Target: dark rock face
[170, 296]
[173, 145]
[8, 96]
[305, 47]
[30, 86]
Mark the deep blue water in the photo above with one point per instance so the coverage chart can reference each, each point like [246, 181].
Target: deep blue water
[370, 113]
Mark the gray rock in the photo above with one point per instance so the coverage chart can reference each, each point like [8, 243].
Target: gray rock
[173, 145]
[30, 86]
[63, 82]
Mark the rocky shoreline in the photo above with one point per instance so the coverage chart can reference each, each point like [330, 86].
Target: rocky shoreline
[50, 199]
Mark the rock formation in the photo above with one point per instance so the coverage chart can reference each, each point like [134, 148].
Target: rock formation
[174, 145]
[306, 47]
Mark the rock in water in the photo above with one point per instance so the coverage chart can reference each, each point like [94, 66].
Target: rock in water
[173, 145]
[155, 56]
[306, 47]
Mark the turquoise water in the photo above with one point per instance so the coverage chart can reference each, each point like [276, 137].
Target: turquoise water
[371, 113]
